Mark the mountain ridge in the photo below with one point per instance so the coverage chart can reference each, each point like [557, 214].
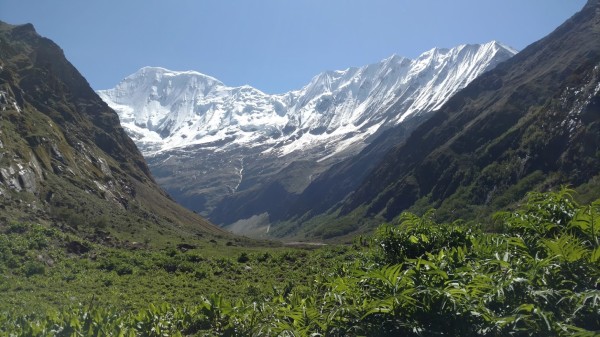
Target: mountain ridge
[166, 120]
[64, 157]
[228, 144]
[512, 127]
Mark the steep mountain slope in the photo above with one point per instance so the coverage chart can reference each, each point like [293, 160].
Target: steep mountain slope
[532, 122]
[238, 153]
[64, 156]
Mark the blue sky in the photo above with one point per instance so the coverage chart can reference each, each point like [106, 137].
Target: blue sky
[273, 45]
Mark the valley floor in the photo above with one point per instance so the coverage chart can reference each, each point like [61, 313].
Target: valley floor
[539, 275]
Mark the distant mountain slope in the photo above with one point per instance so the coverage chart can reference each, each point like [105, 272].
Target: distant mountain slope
[238, 153]
[532, 122]
[64, 156]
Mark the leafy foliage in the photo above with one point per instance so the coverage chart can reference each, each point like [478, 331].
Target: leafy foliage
[539, 277]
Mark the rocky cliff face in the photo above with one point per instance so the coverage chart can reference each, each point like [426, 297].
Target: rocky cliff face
[64, 157]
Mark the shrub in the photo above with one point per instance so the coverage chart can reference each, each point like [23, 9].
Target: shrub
[34, 268]
[243, 258]
[415, 236]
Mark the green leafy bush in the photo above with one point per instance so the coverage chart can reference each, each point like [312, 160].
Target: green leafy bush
[415, 236]
[540, 277]
[33, 268]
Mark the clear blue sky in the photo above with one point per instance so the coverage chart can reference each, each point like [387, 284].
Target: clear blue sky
[273, 45]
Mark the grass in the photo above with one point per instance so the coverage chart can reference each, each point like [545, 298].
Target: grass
[45, 270]
[537, 276]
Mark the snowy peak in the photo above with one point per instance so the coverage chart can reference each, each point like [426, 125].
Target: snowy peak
[208, 143]
[164, 85]
[424, 84]
[158, 73]
[163, 109]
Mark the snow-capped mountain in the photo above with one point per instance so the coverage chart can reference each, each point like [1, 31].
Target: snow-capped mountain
[177, 118]
[164, 109]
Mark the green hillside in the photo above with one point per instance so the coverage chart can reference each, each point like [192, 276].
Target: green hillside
[65, 159]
